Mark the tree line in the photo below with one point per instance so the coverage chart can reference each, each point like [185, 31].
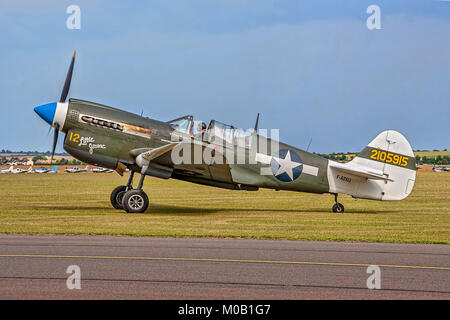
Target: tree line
[40, 158]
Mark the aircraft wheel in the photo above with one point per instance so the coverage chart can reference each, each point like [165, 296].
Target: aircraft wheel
[135, 201]
[338, 208]
[116, 197]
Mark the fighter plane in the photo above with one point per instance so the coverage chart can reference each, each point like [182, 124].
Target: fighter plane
[220, 155]
[77, 169]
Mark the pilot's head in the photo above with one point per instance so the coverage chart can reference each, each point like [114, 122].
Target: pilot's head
[201, 126]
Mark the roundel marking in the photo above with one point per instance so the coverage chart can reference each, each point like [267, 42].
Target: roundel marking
[286, 165]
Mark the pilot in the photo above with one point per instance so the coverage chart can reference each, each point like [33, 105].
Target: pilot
[201, 129]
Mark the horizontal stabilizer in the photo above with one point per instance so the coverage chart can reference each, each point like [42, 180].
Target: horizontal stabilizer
[360, 172]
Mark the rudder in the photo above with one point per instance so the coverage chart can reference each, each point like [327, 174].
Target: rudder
[391, 154]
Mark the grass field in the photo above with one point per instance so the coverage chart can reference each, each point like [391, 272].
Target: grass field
[79, 204]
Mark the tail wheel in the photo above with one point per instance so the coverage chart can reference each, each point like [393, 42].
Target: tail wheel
[116, 197]
[338, 208]
[135, 201]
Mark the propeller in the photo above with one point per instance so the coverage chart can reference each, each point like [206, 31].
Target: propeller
[68, 79]
[64, 94]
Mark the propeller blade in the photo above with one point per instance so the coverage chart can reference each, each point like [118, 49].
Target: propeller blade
[66, 88]
[55, 141]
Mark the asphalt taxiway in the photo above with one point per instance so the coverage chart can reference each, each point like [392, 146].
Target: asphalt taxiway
[35, 267]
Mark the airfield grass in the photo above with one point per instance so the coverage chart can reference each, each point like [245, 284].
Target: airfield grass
[79, 204]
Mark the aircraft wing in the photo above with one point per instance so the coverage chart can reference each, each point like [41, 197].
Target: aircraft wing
[359, 171]
[145, 156]
[157, 152]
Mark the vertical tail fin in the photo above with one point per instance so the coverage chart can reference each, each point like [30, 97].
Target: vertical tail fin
[55, 169]
[391, 154]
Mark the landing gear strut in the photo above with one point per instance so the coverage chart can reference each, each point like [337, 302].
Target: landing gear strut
[118, 193]
[135, 200]
[337, 207]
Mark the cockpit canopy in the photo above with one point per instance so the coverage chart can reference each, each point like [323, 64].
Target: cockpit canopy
[182, 124]
[221, 133]
[216, 133]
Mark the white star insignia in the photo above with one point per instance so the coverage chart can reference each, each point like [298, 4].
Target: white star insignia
[287, 165]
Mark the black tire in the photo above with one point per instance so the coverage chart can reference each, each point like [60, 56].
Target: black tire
[338, 208]
[116, 197]
[135, 201]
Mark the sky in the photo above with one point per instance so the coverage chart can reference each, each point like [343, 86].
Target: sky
[312, 69]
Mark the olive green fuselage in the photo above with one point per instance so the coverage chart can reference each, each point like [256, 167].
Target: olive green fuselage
[113, 138]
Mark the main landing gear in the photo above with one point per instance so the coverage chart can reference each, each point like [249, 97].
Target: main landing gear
[129, 199]
[337, 207]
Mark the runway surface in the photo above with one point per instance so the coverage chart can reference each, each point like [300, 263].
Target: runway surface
[34, 267]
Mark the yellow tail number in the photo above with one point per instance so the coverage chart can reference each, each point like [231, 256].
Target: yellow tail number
[388, 157]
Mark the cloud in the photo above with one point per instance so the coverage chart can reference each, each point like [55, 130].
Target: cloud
[330, 79]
